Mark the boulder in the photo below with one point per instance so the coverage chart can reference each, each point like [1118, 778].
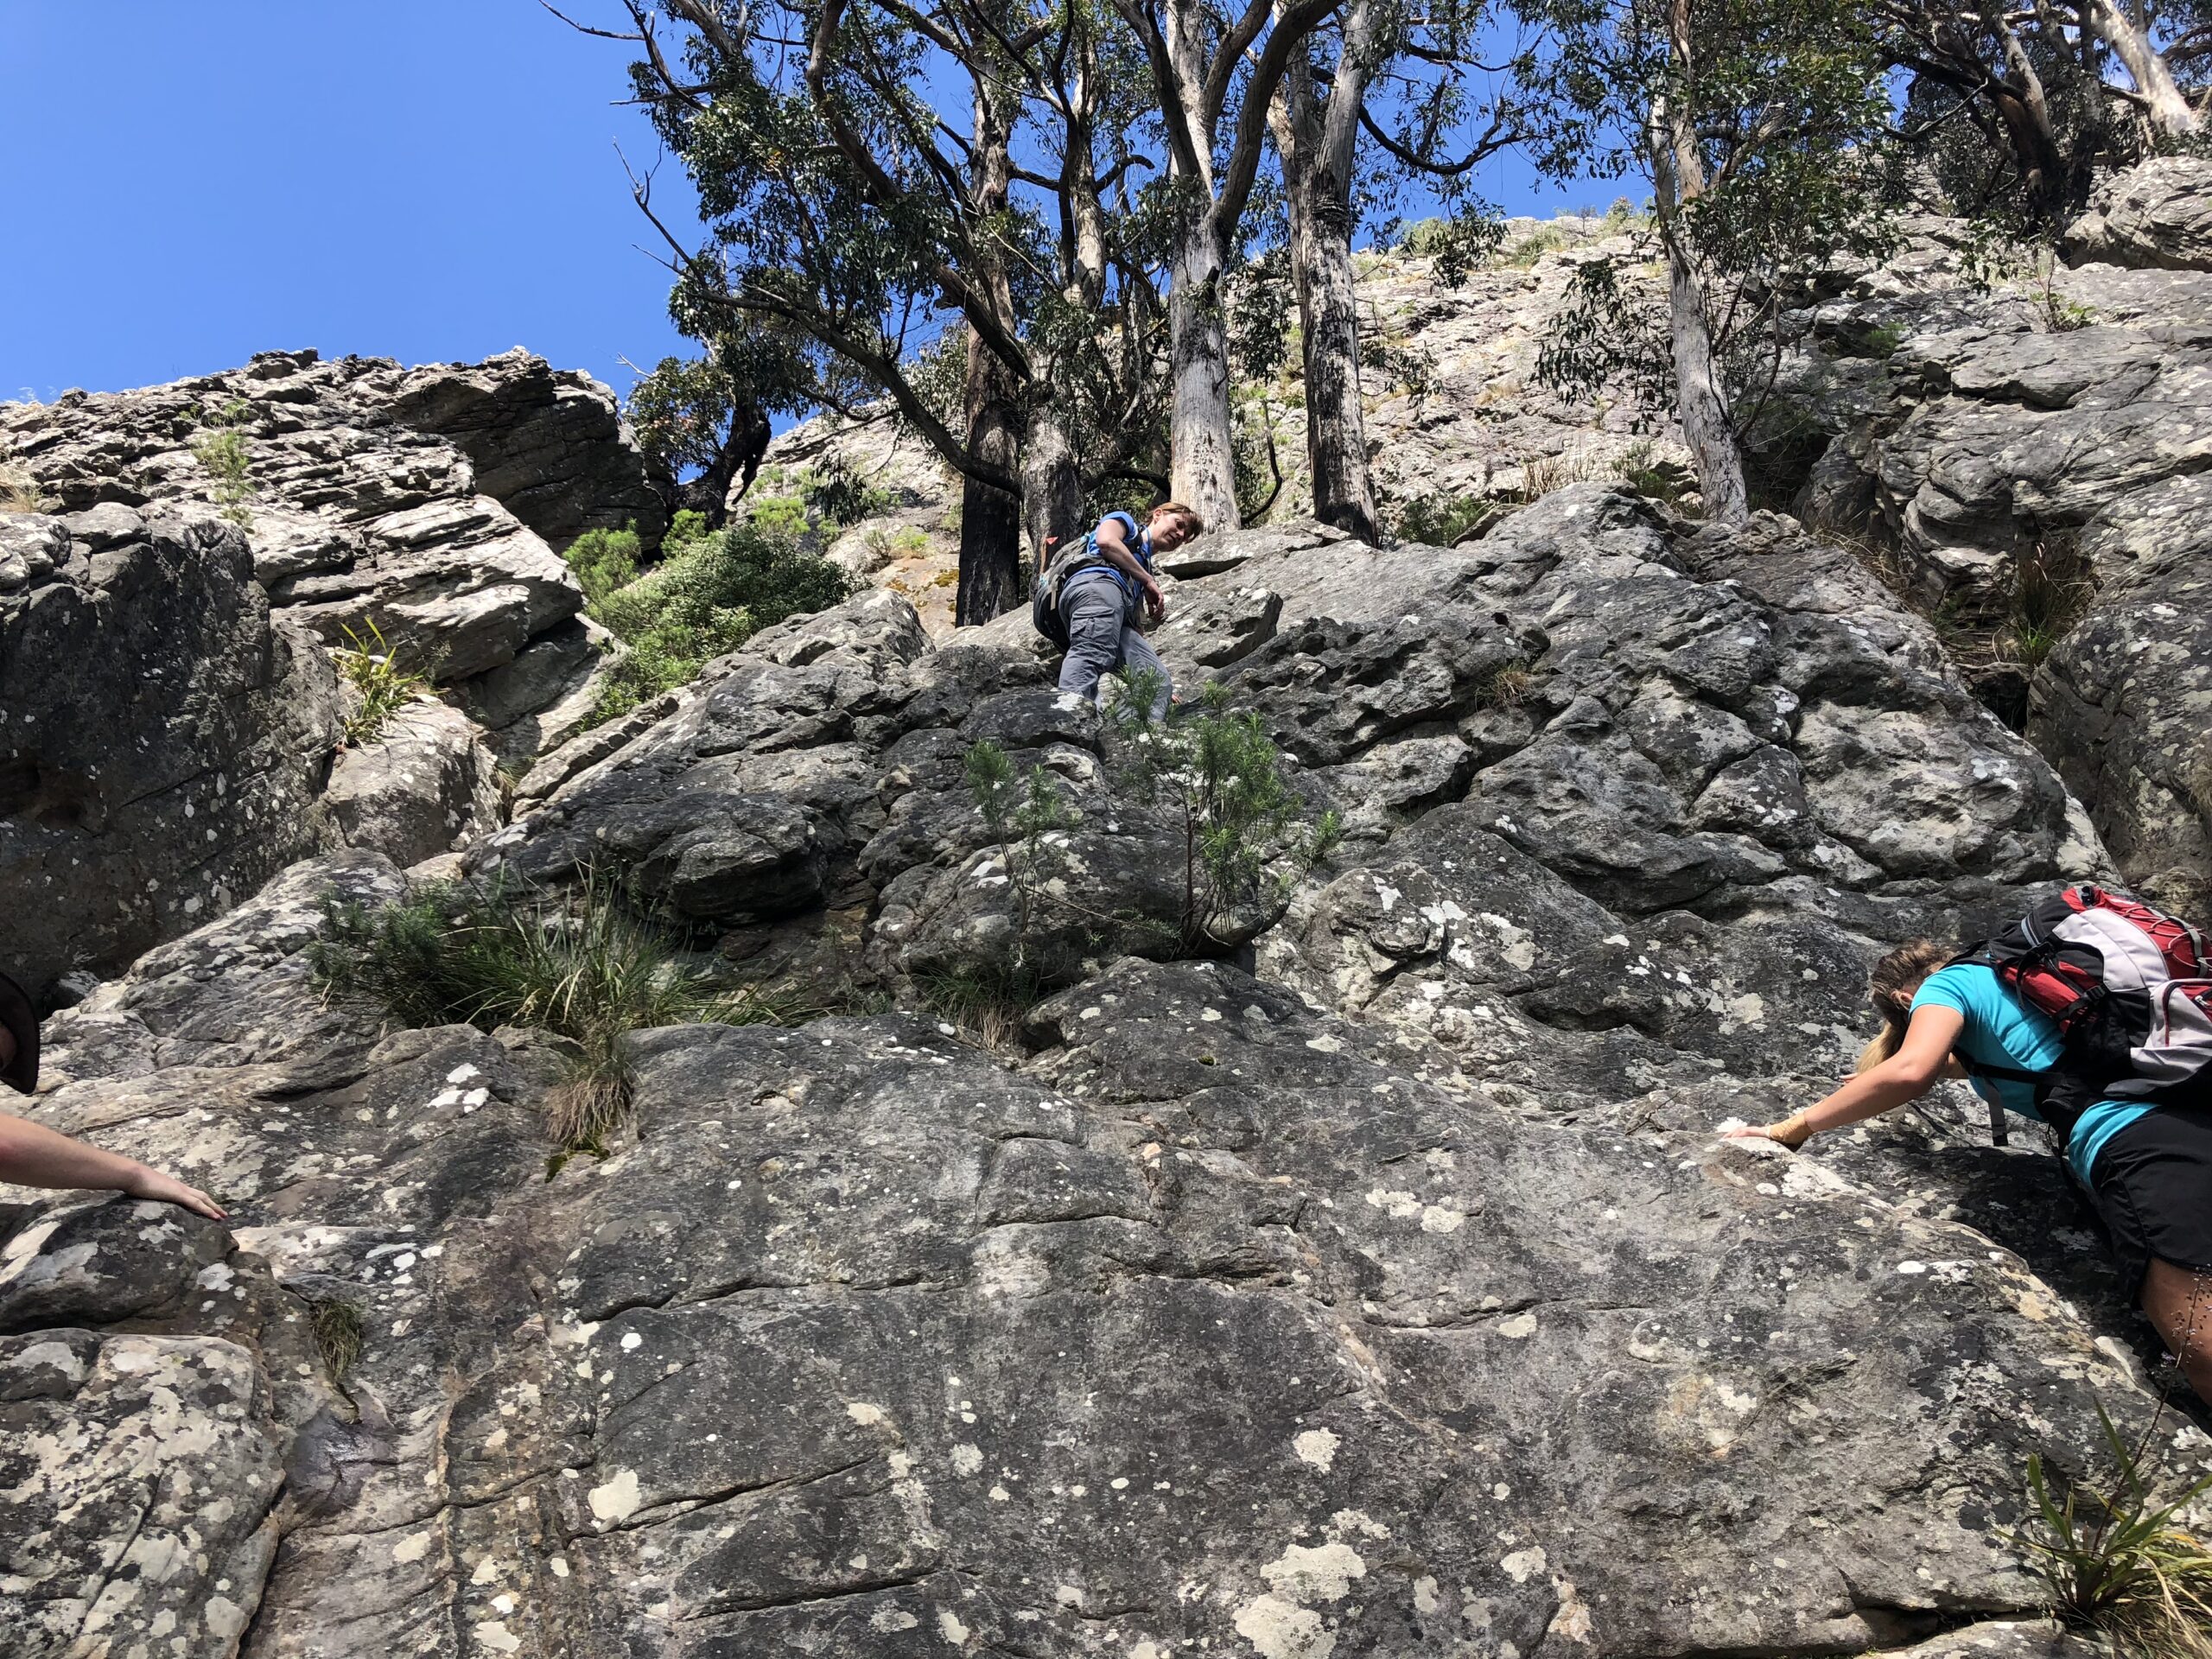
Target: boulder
[425, 785]
[1981, 435]
[548, 444]
[2158, 213]
[162, 737]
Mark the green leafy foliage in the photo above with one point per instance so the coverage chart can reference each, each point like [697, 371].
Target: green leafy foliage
[604, 560]
[1022, 813]
[2117, 1562]
[1218, 776]
[385, 686]
[1777, 114]
[1440, 519]
[708, 597]
[583, 967]
[838, 495]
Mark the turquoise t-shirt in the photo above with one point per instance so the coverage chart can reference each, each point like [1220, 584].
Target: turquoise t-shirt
[2001, 1029]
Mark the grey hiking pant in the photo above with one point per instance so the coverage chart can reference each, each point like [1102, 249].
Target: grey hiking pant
[1101, 640]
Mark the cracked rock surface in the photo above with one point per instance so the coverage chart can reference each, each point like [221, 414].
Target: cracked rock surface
[1386, 1292]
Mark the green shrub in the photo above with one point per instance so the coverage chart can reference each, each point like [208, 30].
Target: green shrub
[778, 515]
[584, 967]
[1218, 776]
[1021, 814]
[1440, 520]
[604, 560]
[687, 527]
[708, 598]
[222, 450]
[372, 668]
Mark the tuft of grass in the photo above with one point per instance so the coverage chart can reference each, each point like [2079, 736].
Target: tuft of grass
[19, 491]
[1507, 688]
[1444, 519]
[2050, 590]
[1545, 239]
[990, 1008]
[2117, 1563]
[583, 967]
[373, 668]
[338, 1328]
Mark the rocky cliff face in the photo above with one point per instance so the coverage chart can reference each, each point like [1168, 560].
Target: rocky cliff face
[1388, 1294]
[1380, 1289]
[2035, 461]
[170, 719]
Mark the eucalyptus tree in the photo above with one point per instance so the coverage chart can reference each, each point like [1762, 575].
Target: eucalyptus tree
[1756, 123]
[844, 209]
[1212, 68]
[2058, 90]
[1412, 63]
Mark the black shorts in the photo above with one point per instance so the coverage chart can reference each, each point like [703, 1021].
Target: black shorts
[2153, 1187]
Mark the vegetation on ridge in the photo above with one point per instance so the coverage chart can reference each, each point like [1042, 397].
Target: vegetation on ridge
[582, 966]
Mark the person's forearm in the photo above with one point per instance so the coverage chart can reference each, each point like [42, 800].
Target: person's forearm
[1868, 1095]
[1122, 560]
[34, 1155]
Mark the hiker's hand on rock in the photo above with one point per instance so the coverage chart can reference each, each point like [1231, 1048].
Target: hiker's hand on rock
[1792, 1132]
[1155, 603]
[167, 1188]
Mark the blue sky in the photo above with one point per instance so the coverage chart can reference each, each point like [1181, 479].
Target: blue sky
[190, 181]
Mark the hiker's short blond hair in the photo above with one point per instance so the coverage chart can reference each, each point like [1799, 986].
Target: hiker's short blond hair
[1187, 514]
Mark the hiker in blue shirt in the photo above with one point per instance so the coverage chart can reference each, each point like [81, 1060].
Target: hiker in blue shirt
[1107, 605]
[2148, 1170]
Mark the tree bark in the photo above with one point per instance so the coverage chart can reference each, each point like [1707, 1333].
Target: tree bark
[739, 457]
[2169, 111]
[1202, 465]
[1315, 141]
[990, 518]
[1051, 490]
[1701, 402]
[1707, 426]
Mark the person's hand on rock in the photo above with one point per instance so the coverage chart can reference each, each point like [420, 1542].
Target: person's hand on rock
[167, 1188]
[1792, 1132]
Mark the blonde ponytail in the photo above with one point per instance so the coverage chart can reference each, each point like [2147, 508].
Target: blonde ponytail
[1891, 985]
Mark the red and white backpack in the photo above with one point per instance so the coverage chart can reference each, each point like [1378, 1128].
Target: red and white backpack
[2131, 989]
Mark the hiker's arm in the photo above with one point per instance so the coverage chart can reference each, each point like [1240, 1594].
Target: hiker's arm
[1114, 548]
[1906, 1075]
[32, 1155]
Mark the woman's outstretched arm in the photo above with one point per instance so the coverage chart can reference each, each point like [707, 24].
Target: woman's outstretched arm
[34, 1155]
[1906, 1075]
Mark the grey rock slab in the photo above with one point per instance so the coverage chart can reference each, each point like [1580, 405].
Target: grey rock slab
[2158, 213]
[425, 785]
[161, 741]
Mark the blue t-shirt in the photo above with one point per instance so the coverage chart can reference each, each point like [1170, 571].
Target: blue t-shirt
[2002, 1030]
[1140, 544]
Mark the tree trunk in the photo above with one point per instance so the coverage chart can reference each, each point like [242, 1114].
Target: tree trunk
[1700, 402]
[708, 494]
[990, 518]
[1052, 491]
[1315, 142]
[2168, 109]
[1202, 467]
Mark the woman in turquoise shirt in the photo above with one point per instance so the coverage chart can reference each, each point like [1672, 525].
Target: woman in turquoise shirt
[2148, 1170]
